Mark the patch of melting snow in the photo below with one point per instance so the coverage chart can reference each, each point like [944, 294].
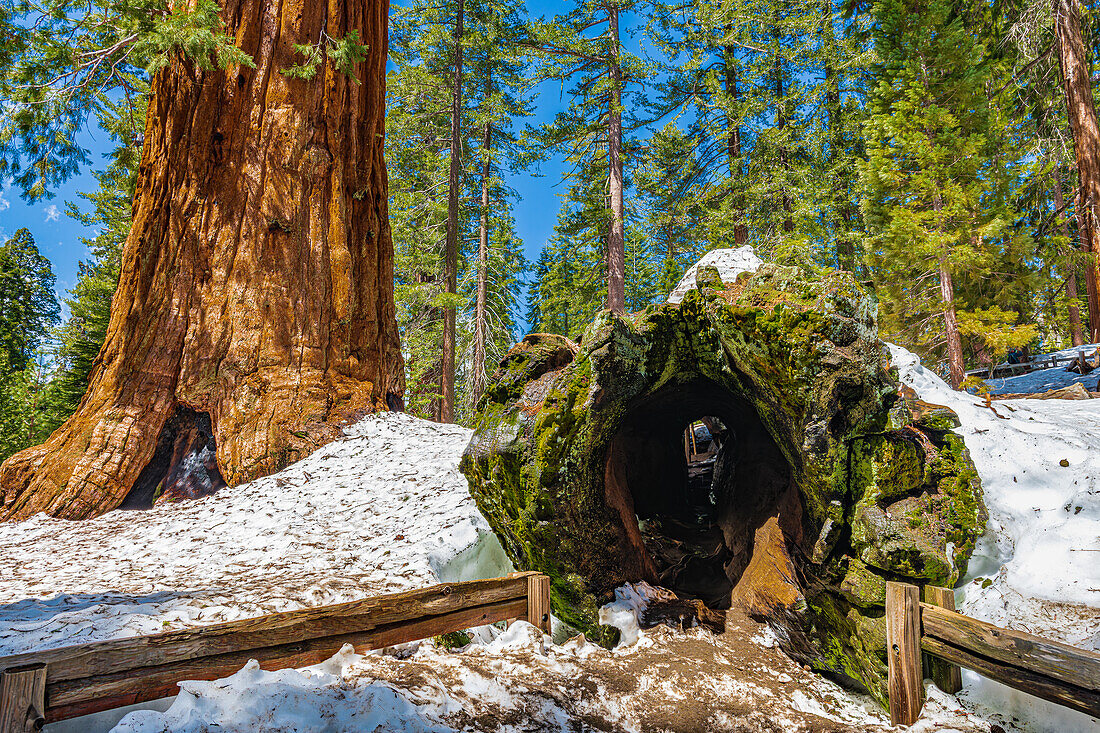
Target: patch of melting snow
[1036, 569]
[384, 509]
[765, 638]
[729, 263]
[625, 612]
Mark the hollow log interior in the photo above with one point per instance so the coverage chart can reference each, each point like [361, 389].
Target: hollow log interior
[699, 503]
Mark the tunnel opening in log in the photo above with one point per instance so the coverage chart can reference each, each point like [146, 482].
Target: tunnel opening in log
[184, 463]
[695, 470]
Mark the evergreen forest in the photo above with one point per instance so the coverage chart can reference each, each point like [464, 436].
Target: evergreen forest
[946, 152]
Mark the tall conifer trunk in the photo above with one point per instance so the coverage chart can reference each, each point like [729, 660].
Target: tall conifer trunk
[479, 377]
[845, 246]
[616, 248]
[1076, 332]
[256, 292]
[1086, 144]
[781, 125]
[951, 325]
[733, 142]
[955, 365]
[450, 253]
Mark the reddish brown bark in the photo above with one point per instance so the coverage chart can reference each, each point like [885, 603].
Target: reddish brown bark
[256, 283]
[955, 364]
[951, 326]
[1086, 144]
[616, 248]
[450, 250]
[1076, 332]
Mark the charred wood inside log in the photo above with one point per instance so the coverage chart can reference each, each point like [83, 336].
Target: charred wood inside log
[184, 464]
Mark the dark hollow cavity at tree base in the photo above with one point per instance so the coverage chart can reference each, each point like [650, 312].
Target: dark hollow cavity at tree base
[184, 464]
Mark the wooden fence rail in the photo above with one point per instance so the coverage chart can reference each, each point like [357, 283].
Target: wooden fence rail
[57, 684]
[1048, 669]
[1046, 361]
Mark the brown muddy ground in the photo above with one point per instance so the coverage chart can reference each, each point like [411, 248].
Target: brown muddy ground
[670, 680]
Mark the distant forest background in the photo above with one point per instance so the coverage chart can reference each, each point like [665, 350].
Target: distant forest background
[925, 146]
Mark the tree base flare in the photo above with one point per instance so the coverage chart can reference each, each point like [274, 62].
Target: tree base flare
[256, 284]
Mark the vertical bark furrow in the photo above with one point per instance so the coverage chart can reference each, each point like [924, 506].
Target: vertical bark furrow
[256, 283]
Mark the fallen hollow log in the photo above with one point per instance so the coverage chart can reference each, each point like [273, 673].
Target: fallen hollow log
[827, 483]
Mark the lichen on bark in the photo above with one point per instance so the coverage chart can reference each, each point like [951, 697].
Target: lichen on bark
[830, 483]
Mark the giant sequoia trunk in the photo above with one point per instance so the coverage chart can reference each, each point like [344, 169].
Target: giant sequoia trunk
[256, 287]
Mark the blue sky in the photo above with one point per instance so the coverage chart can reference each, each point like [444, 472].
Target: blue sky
[58, 235]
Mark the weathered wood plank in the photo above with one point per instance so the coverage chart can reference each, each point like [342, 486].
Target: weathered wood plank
[119, 655]
[1039, 685]
[1063, 662]
[903, 650]
[538, 602]
[72, 698]
[22, 698]
[947, 676]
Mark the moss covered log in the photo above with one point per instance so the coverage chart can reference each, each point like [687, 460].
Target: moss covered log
[827, 483]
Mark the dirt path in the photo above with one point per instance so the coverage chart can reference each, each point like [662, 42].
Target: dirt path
[670, 680]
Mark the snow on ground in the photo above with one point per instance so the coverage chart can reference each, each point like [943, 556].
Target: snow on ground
[729, 262]
[386, 509]
[1043, 380]
[1037, 568]
[521, 681]
[381, 510]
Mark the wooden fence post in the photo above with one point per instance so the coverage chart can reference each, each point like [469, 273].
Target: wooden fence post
[903, 650]
[538, 601]
[947, 676]
[23, 699]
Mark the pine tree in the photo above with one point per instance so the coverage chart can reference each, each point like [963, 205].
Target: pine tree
[28, 309]
[768, 95]
[939, 186]
[425, 157]
[673, 195]
[570, 283]
[584, 47]
[417, 153]
[501, 62]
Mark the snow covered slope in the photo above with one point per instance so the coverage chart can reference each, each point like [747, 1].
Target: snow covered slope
[1037, 568]
[382, 510]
